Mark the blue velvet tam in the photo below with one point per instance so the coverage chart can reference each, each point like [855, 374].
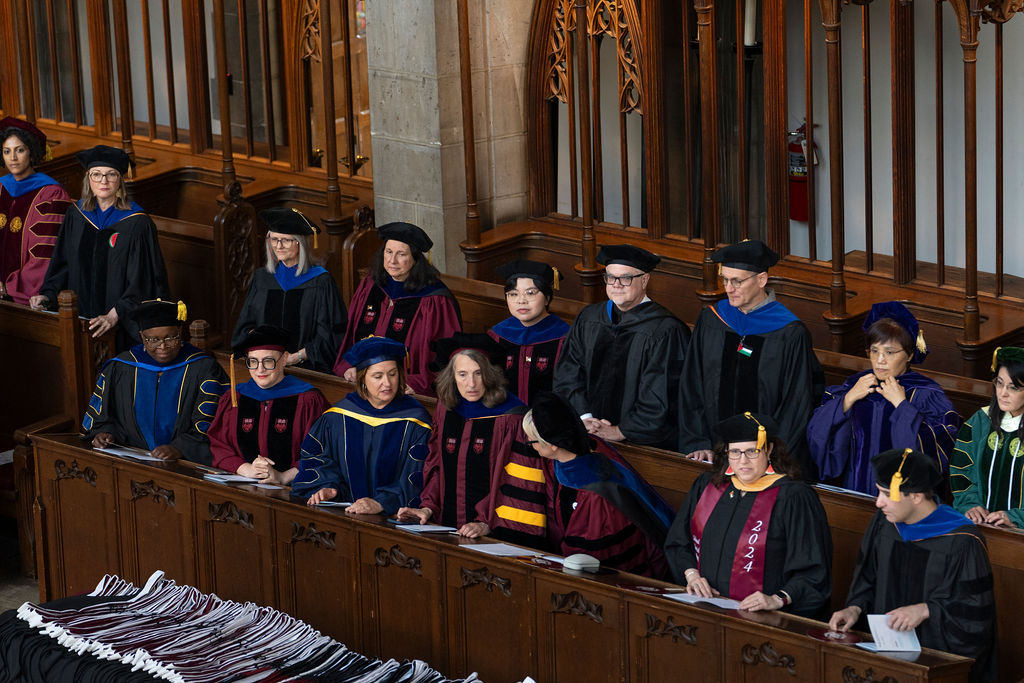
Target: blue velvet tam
[752, 255]
[413, 235]
[628, 255]
[447, 347]
[373, 350]
[899, 314]
[105, 155]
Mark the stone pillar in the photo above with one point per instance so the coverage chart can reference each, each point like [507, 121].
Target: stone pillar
[416, 116]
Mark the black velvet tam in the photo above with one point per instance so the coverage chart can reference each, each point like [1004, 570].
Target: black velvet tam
[412, 235]
[159, 313]
[539, 272]
[743, 427]
[444, 349]
[262, 337]
[104, 155]
[628, 255]
[288, 222]
[558, 424]
[920, 472]
[752, 255]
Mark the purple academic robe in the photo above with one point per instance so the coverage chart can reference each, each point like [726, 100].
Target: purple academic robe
[842, 443]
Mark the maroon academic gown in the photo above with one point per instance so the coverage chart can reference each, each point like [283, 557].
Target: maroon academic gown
[415, 320]
[479, 469]
[273, 427]
[29, 225]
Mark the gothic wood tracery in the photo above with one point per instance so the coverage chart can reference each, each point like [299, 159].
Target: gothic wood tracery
[142, 489]
[1000, 11]
[471, 577]
[88, 475]
[574, 603]
[310, 40]
[230, 513]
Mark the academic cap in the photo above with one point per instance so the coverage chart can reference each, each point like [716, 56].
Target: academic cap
[539, 272]
[288, 222]
[752, 255]
[747, 427]
[447, 347]
[159, 313]
[373, 350]
[904, 470]
[1003, 354]
[628, 255]
[269, 337]
[559, 424]
[412, 235]
[104, 155]
[899, 314]
[26, 126]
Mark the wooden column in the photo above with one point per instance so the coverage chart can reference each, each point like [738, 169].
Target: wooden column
[468, 138]
[652, 108]
[219, 41]
[776, 122]
[904, 242]
[711, 223]
[332, 220]
[9, 50]
[830, 20]
[28, 104]
[587, 270]
[124, 76]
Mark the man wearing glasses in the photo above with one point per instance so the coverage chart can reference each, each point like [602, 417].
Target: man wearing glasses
[748, 353]
[621, 361]
[160, 395]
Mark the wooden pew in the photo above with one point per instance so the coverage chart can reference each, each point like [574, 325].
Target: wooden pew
[389, 593]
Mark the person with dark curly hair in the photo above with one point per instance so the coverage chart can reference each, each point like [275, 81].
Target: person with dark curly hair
[749, 529]
[32, 207]
[402, 298]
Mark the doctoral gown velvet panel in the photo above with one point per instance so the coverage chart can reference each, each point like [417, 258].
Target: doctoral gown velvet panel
[798, 550]
[531, 353]
[145, 404]
[987, 467]
[268, 422]
[116, 267]
[312, 312]
[949, 572]
[843, 443]
[781, 377]
[627, 371]
[364, 451]
[31, 213]
[603, 508]
[415, 319]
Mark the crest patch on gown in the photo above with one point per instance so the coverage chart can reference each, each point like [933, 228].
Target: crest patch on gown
[478, 445]
[542, 364]
[369, 315]
[281, 425]
[247, 423]
[450, 444]
[397, 324]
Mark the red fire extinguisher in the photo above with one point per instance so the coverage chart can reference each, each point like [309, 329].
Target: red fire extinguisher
[798, 200]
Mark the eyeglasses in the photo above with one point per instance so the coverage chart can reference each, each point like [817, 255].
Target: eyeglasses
[1011, 387]
[268, 363]
[527, 294]
[155, 342]
[750, 454]
[282, 241]
[621, 280]
[98, 177]
[887, 354]
[735, 283]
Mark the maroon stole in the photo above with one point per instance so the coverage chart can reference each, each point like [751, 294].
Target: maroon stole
[748, 562]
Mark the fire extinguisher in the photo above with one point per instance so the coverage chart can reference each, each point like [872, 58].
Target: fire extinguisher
[798, 189]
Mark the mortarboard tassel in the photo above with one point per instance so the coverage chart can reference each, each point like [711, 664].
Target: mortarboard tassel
[995, 354]
[231, 371]
[897, 479]
[921, 346]
[182, 311]
[557, 279]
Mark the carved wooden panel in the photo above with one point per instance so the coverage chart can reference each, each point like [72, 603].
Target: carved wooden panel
[755, 655]
[578, 617]
[317, 573]
[156, 523]
[402, 599]
[853, 669]
[77, 498]
[663, 643]
[501, 598]
[235, 546]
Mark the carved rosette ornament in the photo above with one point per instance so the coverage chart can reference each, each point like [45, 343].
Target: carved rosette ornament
[472, 577]
[850, 675]
[142, 489]
[574, 603]
[310, 534]
[309, 41]
[767, 654]
[88, 475]
[1000, 11]
[669, 629]
[230, 513]
[395, 556]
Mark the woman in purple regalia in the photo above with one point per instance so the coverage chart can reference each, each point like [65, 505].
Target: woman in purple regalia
[888, 406]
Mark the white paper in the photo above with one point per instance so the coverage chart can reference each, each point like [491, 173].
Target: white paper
[261, 485]
[332, 504]
[128, 452]
[724, 603]
[891, 640]
[426, 528]
[501, 550]
[230, 479]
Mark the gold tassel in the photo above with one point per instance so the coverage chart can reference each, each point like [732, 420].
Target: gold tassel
[557, 279]
[130, 175]
[762, 433]
[897, 479]
[921, 346]
[48, 156]
[182, 311]
[311, 227]
[994, 354]
[231, 371]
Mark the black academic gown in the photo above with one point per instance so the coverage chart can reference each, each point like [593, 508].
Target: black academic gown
[118, 267]
[312, 312]
[949, 572]
[626, 371]
[797, 553]
[133, 389]
[781, 377]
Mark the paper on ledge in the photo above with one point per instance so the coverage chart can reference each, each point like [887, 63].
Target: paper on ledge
[724, 603]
